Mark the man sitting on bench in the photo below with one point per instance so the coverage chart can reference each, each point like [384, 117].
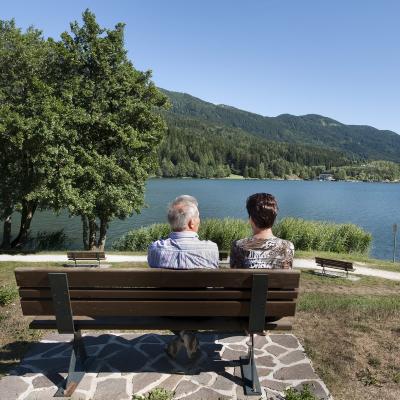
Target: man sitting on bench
[183, 250]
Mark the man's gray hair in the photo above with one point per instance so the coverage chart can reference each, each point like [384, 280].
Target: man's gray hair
[181, 210]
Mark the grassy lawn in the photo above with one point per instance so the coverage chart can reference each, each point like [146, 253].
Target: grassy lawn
[350, 330]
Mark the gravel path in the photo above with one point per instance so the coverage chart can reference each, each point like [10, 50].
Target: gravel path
[298, 263]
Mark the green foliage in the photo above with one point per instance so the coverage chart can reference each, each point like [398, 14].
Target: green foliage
[303, 394]
[155, 394]
[324, 236]
[221, 231]
[114, 124]
[50, 240]
[224, 231]
[315, 130]
[373, 171]
[79, 125]
[306, 235]
[140, 239]
[7, 294]
[199, 149]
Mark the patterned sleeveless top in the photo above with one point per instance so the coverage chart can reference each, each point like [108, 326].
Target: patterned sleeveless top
[271, 253]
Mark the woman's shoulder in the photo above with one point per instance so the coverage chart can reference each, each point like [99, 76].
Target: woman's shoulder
[283, 243]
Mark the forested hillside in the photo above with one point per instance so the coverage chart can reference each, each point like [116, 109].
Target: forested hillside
[362, 141]
[205, 140]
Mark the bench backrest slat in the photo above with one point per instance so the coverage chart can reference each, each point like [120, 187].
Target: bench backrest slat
[86, 255]
[149, 308]
[141, 294]
[145, 277]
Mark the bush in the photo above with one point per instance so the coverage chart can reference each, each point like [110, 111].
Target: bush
[155, 394]
[221, 231]
[224, 231]
[50, 240]
[305, 235]
[140, 239]
[7, 294]
[324, 236]
[303, 394]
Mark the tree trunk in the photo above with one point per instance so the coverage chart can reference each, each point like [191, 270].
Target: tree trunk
[7, 230]
[92, 233]
[28, 211]
[85, 232]
[103, 232]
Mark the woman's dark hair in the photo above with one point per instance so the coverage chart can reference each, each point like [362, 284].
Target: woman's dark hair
[262, 208]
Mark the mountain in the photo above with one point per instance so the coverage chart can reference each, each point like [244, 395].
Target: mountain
[354, 141]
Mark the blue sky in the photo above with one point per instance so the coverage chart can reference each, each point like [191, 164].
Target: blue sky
[337, 58]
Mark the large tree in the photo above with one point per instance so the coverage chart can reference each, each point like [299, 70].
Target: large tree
[115, 125]
[31, 129]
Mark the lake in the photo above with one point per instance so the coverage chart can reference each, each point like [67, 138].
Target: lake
[373, 206]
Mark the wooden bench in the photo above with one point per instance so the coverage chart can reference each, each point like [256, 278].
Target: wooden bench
[154, 299]
[86, 256]
[326, 262]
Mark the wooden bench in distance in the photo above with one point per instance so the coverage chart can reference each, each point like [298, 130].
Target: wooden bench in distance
[86, 256]
[342, 265]
[154, 299]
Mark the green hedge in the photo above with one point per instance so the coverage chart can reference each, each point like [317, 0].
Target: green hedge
[305, 235]
[324, 236]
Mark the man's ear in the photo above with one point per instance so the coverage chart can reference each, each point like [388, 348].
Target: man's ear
[191, 223]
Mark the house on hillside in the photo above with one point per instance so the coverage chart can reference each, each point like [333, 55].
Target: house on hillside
[326, 177]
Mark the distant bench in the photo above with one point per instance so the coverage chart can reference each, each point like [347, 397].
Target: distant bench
[342, 265]
[86, 256]
[225, 300]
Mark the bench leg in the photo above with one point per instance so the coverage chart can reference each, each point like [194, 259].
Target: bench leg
[76, 370]
[251, 383]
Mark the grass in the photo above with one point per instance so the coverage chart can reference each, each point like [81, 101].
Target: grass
[350, 330]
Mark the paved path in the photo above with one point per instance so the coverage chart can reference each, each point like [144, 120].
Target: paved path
[128, 364]
[298, 263]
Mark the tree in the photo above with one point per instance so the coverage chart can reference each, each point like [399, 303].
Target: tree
[31, 128]
[115, 125]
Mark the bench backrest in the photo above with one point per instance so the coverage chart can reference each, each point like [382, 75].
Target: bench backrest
[334, 263]
[86, 255]
[152, 292]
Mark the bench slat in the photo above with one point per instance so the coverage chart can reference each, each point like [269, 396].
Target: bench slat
[175, 294]
[217, 324]
[145, 277]
[164, 308]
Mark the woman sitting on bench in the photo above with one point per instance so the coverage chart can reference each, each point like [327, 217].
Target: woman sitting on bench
[263, 249]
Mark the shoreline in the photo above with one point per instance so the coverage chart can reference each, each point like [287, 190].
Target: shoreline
[240, 177]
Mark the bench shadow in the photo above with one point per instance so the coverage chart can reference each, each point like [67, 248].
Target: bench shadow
[129, 353]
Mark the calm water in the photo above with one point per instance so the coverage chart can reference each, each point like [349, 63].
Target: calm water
[373, 206]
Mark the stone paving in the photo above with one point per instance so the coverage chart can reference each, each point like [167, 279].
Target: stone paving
[127, 364]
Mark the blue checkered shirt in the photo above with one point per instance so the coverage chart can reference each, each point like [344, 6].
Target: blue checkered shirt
[183, 250]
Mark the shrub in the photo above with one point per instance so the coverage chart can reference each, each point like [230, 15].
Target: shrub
[221, 231]
[7, 294]
[224, 231]
[303, 394]
[305, 235]
[324, 236]
[50, 240]
[140, 239]
[155, 394]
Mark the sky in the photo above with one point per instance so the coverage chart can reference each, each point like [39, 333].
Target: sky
[340, 58]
